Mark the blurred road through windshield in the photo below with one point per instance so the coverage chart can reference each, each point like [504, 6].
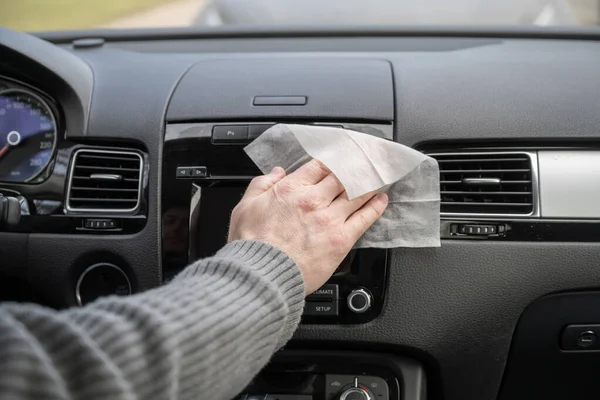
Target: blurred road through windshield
[36, 15]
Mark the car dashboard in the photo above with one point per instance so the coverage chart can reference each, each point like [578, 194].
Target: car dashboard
[121, 157]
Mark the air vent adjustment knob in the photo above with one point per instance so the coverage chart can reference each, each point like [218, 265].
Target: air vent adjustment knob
[359, 300]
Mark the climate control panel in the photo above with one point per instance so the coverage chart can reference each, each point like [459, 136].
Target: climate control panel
[340, 375]
[349, 387]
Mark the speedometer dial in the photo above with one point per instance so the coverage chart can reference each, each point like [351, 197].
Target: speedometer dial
[28, 134]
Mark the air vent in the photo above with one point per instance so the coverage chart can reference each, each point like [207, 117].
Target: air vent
[104, 181]
[487, 183]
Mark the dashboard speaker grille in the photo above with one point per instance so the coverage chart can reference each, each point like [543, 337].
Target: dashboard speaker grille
[486, 183]
[105, 181]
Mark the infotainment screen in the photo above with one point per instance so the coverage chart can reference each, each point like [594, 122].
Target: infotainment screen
[209, 218]
[196, 225]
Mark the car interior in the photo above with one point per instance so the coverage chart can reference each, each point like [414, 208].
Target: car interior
[123, 155]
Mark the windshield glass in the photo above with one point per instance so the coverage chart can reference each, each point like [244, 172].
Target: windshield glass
[36, 15]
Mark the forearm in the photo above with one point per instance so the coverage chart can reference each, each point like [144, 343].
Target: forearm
[203, 336]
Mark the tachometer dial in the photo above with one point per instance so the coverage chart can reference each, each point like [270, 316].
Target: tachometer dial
[28, 135]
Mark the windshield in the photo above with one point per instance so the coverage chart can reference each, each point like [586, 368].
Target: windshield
[37, 15]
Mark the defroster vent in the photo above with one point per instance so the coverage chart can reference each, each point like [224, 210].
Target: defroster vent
[487, 183]
[105, 181]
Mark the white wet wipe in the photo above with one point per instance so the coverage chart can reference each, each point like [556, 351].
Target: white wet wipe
[364, 163]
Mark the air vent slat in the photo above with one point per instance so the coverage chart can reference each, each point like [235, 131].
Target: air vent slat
[104, 168]
[485, 193]
[104, 157]
[87, 194]
[503, 182]
[103, 189]
[485, 160]
[485, 204]
[486, 183]
[482, 171]
[124, 180]
[101, 200]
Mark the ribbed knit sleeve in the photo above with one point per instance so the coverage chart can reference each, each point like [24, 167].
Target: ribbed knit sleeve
[202, 336]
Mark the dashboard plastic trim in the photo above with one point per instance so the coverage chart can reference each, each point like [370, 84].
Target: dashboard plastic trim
[256, 32]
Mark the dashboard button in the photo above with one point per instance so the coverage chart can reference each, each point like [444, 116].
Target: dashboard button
[184, 172]
[255, 131]
[199, 172]
[327, 292]
[100, 224]
[230, 133]
[321, 309]
[482, 230]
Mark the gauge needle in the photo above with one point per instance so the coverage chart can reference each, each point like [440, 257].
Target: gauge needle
[3, 150]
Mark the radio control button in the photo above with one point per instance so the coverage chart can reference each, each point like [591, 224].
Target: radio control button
[359, 301]
[184, 172]
[230, 133]
[320, 309]
[199, 172]
[255, 131]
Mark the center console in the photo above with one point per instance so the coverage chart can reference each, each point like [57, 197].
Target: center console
[205, 174]
[215, 111]
[331, 375]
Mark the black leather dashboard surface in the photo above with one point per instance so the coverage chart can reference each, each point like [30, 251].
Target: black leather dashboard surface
[455, 307]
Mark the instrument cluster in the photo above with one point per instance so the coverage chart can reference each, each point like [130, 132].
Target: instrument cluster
[29, 131]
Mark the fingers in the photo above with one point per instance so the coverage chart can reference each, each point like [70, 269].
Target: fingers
[310, 173]
[262, 183]
[361, 220]
[345, 207]
[328, 189]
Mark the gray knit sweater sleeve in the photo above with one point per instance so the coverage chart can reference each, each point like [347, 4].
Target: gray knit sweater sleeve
[202, 336]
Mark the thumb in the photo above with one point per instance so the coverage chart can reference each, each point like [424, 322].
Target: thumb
[262, 183]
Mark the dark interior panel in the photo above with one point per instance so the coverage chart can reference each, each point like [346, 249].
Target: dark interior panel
[460, 304]
[554, 354]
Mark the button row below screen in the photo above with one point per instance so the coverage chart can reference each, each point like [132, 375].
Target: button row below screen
[237, 133]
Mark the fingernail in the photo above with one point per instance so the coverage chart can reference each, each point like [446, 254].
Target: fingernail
[277, 171]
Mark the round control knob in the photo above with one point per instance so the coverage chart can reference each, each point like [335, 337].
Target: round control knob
[355, 393]
[359, 300]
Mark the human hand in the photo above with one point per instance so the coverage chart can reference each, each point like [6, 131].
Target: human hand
[307, 215]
